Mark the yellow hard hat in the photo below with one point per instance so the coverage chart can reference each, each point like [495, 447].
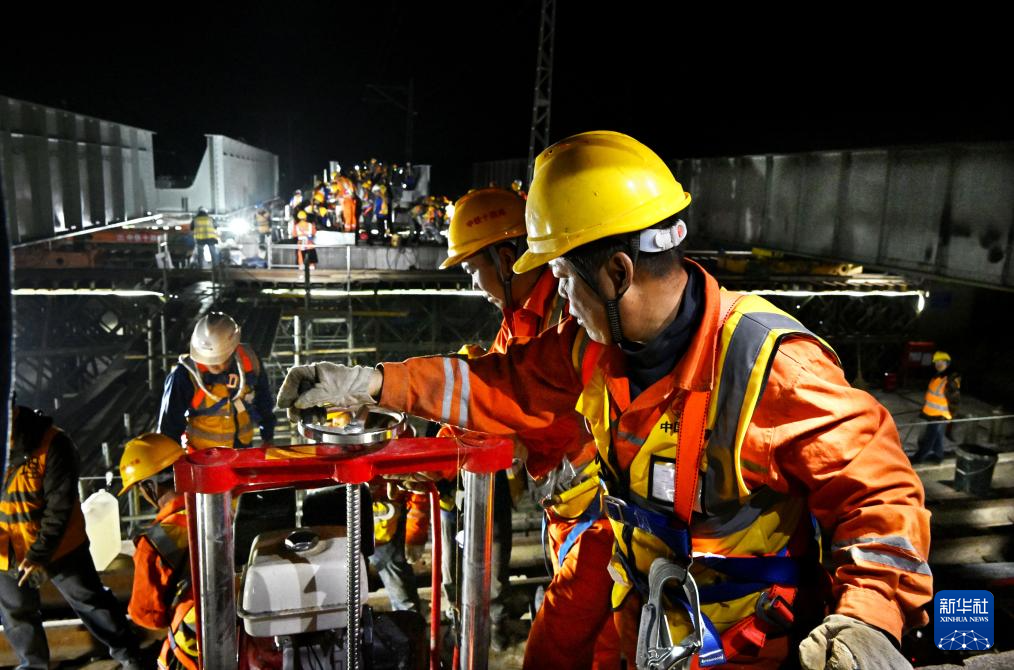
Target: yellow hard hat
[594, 185]
[941, 356]
[147, 455]
[481, 218]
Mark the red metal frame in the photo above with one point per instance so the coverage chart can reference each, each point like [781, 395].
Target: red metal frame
[235, 471]
[307, 466]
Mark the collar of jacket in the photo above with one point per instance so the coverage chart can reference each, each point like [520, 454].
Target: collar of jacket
[695, 371]
[528, 318]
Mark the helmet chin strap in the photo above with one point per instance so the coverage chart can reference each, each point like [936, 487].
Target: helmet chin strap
[612, 305]
[650, 240]
[613, 316]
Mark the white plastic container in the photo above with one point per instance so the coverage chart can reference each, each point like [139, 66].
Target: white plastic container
[102, 524]
[302, 587]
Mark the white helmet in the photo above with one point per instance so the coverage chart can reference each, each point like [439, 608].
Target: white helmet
[215, 338]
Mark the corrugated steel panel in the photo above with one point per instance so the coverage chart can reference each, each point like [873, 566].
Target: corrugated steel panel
[944, 210]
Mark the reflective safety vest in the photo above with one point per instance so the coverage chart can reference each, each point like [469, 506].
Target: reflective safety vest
[386, 516]
[263, 222]
[936, 404]
[171, 541]
[218, 414]
[204, 228]
[304, 232]
[22, 507]
[687, 467]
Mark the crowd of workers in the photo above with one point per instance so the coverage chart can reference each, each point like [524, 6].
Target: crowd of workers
[365, 200]
[689, 445]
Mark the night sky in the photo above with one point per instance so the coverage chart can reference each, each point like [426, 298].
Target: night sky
[296, 82]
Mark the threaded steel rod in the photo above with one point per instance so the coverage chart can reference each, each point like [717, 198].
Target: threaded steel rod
[353, 527]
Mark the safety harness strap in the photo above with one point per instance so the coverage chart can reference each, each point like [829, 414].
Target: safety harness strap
[758, 569]
[693, 420]
[584, 522]
[677, 539]
[711, 652]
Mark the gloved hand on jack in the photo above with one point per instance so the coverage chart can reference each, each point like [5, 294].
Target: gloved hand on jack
[328, 384]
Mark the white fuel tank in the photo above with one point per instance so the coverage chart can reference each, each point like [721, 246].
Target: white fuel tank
[102, 525]
[297, 582]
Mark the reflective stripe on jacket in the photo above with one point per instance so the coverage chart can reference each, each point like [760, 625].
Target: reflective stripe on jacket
[23, 505]
[936, 399]
[204, 228]
[811, 445]
[219, 414]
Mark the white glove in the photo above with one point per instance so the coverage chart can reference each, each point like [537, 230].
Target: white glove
[321, 384]
[413, 553]
[844, 643]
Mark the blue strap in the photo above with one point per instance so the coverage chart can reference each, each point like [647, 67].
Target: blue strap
[726, 591]
[769, 569]
[677, 539]
[584, 522]
[711, 652]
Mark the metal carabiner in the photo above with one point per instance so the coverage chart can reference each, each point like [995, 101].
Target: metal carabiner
[655, 648]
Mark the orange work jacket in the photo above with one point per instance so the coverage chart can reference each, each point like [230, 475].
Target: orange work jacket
[811, 438]
[162, 594]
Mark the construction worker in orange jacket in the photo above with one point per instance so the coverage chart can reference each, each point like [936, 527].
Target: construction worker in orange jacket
[727, 434]
[347, 201]
[486, 237]
[573, 628]
[304, 230]
[162, 595]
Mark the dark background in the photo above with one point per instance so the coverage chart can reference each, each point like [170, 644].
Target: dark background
[293, 77]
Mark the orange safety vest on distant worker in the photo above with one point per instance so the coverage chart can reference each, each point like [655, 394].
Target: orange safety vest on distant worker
[218, 414]
[304, 232]
[760, 410]
[936, 404]
[162, 594]
[22, 505]
[347, 198]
